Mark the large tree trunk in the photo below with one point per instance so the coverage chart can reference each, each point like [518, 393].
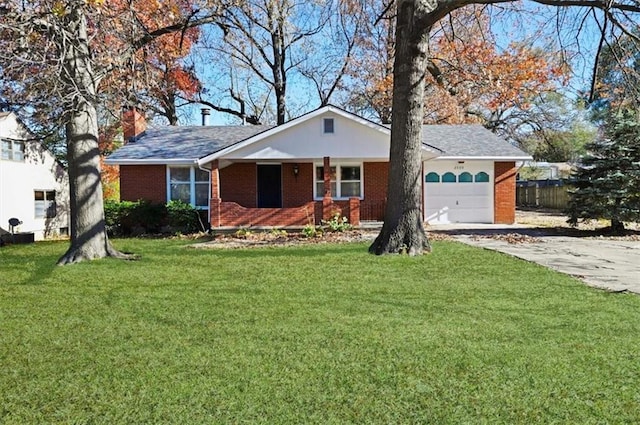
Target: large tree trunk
[88, 232]
[403, 231]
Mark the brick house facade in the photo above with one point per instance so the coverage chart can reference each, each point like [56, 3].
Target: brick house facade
[299, 173]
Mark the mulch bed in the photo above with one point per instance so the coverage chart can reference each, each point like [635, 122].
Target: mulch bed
[267, 239]
[281, 239]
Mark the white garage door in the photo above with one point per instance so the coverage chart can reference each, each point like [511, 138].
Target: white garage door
[458, 192]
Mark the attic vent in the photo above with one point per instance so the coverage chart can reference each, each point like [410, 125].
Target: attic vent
[328, 127]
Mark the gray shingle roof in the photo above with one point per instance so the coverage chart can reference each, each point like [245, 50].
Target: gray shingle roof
[194, 142]
[189, 142]
[468, 140]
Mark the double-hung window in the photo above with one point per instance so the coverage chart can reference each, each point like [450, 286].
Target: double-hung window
[12, 150]
[346, 181]
[45, 203]
[189, 185]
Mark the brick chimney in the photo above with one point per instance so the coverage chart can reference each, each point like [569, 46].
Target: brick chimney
[134, 124]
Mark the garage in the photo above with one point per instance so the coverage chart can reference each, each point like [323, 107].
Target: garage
[458, 192]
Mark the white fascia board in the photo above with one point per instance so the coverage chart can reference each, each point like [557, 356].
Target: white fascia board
[306, 117]
[173, 161]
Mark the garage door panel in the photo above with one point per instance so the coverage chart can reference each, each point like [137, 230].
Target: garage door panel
[459, 202]
[459, 215]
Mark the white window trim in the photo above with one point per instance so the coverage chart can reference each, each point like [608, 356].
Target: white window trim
[192, 186]
[326, 133]
[46, 204]
[338, 165]
[12, 150]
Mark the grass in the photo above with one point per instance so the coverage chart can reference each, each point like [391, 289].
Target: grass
[317, 334]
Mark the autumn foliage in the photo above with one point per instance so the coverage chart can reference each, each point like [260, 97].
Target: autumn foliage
[470, 79]
[156, 74]
[477, 79]
[110, 174]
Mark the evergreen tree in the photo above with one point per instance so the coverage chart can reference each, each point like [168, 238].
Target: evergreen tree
[607, 183]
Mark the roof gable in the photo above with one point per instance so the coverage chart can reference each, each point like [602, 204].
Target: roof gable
[304, 138]
[11, 127]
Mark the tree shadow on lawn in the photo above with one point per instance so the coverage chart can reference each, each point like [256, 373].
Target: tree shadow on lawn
[287, 250]
[18, 258]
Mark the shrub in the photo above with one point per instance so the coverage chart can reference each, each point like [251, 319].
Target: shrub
[127, 218]
[183, 217]
[337, 223]
[278, 233]
[311, 231]
[243, 233]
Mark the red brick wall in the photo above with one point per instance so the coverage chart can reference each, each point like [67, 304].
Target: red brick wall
[230, 214]
[505, 193]
[376, 175]
[133, 123]
[297, 191]
[238, 183]
[147, 182]
[234, 215]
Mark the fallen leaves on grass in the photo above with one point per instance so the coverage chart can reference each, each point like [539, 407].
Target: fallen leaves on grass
[512, 238]
[263, 239]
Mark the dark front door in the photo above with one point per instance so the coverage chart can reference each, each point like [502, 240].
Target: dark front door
[269, 186]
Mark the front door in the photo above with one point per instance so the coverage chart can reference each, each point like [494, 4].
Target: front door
[269, 186]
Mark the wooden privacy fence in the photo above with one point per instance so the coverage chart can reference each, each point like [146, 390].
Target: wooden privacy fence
[536, 195]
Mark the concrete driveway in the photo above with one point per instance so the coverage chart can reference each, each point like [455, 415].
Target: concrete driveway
[601, 262]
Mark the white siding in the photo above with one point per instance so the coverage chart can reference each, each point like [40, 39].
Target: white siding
[350, 140]
[19, 181]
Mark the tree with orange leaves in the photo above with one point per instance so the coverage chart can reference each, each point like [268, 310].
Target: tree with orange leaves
[54, 57]
[156, 77]
[403, 230]
[469, 80]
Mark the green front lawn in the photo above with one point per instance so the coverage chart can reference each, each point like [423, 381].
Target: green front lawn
[317, 334]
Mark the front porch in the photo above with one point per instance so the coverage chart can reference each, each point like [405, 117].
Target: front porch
[231, 214]
[303, 211]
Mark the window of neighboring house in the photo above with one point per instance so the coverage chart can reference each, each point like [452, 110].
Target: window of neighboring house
[45, 203]
[328, 127]
[12, 150]
[189, 185]
[346, 181]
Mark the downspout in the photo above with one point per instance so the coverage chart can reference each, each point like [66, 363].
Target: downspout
[208, 170]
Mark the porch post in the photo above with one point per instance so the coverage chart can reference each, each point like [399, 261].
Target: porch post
[215, 202]
[354, 211]
[327, 201]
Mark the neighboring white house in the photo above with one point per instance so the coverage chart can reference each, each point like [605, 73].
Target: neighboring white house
[34, 187]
